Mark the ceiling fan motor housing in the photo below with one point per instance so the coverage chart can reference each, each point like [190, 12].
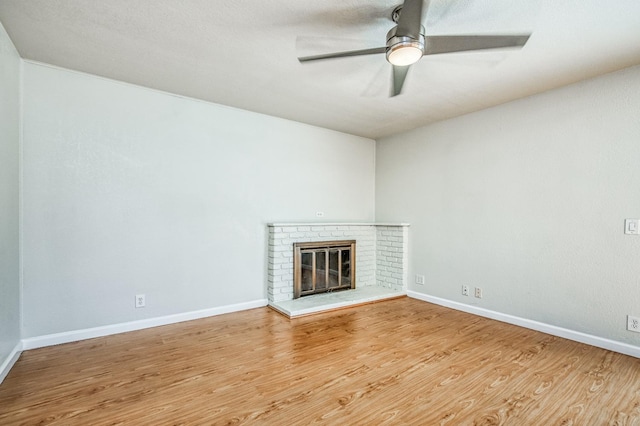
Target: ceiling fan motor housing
[404, 50]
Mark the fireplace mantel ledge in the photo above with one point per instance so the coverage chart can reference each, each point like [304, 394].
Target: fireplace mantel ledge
[337, 224]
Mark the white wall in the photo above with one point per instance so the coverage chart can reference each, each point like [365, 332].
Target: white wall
[9, 199]
[129, 190]
[527, 200]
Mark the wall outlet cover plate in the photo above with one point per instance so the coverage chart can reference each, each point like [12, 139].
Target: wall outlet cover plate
[631, 226]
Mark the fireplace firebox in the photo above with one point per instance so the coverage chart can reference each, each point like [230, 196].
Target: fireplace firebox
[323, 266]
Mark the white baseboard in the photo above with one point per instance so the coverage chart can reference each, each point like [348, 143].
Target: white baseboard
[577, 336]
[9, 361]
[90, 333]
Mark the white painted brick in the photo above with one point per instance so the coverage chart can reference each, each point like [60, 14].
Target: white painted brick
[283, 288]
[365, 259]
[379, 250]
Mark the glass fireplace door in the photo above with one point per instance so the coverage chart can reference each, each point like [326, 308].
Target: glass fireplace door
[320, 267]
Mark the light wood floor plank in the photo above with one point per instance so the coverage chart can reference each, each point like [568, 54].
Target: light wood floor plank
[398, 362]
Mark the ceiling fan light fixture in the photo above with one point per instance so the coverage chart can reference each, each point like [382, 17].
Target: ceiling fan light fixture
[404, 53]
[404, 50]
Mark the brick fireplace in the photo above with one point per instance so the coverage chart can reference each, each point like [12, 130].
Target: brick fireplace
[380, 254]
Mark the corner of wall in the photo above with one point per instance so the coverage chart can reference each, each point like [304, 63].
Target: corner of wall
[21, 195]
[8, 363]
[11, 291]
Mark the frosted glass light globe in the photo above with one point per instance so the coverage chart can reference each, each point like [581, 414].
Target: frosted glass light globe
[403, 54]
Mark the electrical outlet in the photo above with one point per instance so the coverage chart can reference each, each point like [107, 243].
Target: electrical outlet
[478, 292]
[633, 323]
[420, 279]
[631, 226]
[465, 290]
[141, 300]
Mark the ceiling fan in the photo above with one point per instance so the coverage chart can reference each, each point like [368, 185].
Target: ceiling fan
[407, 43]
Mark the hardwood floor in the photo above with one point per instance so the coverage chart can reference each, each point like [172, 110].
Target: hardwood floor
[398, 362]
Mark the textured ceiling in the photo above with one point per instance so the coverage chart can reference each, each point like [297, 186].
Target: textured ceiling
[243, 53]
